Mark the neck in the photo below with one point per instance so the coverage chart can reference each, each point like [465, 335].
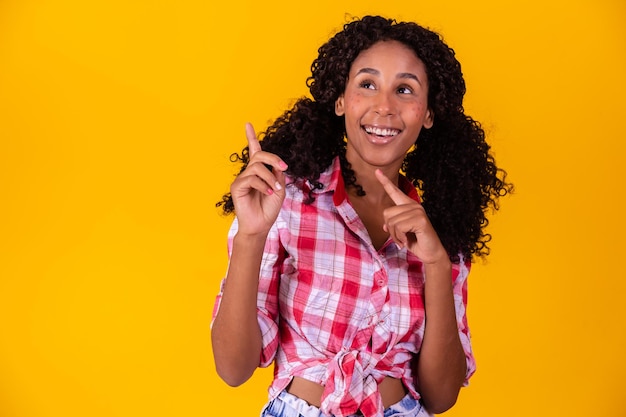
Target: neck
[365, 177]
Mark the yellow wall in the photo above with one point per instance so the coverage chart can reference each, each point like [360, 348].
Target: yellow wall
[116, 121]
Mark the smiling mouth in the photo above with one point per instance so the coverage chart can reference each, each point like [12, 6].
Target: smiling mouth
[383, 134]
[381, 131]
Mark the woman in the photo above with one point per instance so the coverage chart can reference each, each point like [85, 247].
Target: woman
[338, 274]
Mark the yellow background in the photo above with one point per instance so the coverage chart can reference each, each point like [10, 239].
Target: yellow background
[117, 118]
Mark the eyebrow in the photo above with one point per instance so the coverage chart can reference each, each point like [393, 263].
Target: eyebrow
[373, 71]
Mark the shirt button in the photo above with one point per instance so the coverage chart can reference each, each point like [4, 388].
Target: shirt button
[381, 282]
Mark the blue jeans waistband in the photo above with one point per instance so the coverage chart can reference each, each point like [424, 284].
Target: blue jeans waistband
[288, 405]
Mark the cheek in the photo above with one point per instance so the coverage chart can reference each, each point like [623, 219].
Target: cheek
[353, 101]
[355, 104]
[418, 111]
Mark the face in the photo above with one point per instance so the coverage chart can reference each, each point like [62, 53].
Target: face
[385, 105]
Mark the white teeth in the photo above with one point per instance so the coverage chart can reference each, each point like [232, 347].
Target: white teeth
[381, 132]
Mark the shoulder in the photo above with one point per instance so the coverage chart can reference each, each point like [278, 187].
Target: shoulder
[328, 181]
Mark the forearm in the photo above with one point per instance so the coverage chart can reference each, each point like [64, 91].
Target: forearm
[235, 334]
[441, 367]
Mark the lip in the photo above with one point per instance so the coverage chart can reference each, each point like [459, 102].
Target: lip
[389, 134]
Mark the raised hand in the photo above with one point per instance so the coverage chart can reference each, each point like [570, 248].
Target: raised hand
[409, 226]
[258, 192]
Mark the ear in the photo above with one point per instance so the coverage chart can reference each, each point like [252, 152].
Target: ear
[339, 109]
[429, 120]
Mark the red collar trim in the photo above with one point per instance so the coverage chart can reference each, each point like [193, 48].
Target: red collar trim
[404, 185]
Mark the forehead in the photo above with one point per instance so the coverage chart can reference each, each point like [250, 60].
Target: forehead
[389, 55]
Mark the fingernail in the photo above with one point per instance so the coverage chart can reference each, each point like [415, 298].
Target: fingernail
[278, 186]
[282, 165]
[270, 191]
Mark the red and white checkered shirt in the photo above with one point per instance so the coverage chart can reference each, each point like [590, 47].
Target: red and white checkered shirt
[336, 311]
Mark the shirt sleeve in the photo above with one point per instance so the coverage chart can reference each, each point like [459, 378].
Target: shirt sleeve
[267, 298]
[460, 273]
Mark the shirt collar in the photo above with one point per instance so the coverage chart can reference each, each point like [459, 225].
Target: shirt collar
[332, 181]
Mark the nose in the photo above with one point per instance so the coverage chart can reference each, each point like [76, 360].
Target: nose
[384, 104]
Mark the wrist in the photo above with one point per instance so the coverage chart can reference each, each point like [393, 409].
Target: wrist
[440, 261]
[441, 267]
[250, 240]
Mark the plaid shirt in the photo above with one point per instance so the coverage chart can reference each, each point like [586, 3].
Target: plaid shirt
[336, 311]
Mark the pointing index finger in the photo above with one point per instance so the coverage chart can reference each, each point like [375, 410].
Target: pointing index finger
[394, 192]
[253, 142]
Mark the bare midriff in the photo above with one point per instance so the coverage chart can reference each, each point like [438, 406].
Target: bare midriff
[391, 390]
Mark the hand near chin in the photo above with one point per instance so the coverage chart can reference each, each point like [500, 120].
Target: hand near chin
[409, 226]
[259, 191]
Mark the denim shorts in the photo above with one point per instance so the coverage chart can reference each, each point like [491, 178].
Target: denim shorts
[288, 405]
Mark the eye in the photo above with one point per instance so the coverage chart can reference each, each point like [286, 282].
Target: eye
[405, 90]
[367, 84]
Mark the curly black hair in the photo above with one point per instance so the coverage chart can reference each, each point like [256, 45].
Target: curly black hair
[450, 164]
